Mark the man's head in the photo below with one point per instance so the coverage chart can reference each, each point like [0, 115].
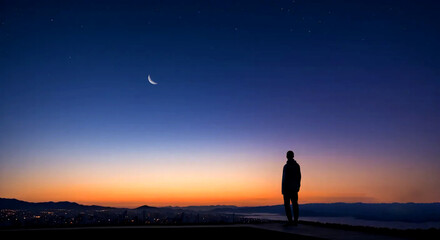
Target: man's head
[289, 155]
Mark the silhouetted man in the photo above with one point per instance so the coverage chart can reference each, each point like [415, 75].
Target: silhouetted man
[290, 187]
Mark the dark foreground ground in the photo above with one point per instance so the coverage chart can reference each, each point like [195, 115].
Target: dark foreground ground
[190, 233]
[272, 231]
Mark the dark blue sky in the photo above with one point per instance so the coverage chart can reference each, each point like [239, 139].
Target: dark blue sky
[351, 78]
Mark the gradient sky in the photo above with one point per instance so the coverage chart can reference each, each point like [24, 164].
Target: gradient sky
[352, 87]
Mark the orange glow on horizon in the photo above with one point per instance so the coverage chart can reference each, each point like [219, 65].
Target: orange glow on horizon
[132, 183]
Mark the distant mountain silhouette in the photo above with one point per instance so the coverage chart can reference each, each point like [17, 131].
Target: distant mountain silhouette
[407, 212]
[145, 207]
[206, 208]
[6, 203]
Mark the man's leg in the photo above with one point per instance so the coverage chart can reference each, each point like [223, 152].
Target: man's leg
[287, 207]
[295, 207]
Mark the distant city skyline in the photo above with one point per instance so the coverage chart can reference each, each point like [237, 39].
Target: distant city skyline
[352, 87]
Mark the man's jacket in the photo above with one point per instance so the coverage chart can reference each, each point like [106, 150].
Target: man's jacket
[291, 177]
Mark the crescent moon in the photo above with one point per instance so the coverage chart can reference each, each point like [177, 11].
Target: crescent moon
[151, 81]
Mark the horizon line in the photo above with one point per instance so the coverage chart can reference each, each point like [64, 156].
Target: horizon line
[214, 205]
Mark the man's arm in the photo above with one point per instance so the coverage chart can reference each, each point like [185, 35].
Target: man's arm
[299, 177]
[284, 172]
[282, 180]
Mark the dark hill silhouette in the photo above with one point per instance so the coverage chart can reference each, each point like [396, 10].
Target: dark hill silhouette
[206, 208]
[145, 207]
[6, 203]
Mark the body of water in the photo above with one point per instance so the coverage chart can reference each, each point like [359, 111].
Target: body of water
[350, 221]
